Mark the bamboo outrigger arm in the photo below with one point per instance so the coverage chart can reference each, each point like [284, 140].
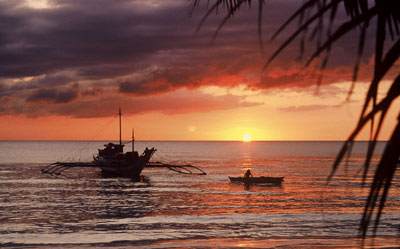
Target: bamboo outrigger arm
[58, 167]
[183, 169]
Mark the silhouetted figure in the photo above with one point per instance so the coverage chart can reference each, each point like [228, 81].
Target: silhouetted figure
[248, 174]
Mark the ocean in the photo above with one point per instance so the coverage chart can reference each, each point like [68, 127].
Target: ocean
[81, 209]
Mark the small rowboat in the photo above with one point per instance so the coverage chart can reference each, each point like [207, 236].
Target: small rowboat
[258, 180]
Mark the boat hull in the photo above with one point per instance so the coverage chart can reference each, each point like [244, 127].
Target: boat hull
[257, 180]
[124, 165]
[123, 171]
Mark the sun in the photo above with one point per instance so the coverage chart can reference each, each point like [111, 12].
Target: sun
[246, 138]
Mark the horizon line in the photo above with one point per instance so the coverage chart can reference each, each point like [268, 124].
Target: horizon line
[167, 140]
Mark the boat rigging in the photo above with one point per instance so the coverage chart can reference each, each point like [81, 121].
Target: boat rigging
[113, 161]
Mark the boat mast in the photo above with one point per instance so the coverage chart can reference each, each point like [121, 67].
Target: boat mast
[133, 140]
[119, 114]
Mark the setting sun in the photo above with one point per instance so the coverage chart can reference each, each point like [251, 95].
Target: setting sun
[246, 138]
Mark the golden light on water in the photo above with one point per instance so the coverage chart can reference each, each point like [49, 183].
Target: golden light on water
[246, 138]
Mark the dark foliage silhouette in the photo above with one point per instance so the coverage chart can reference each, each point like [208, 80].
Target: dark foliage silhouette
[316, 20]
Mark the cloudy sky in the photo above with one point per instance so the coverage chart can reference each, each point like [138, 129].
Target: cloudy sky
[67, 65]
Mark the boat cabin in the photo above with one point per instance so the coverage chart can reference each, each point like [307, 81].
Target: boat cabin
[115, 151]
[111, 149]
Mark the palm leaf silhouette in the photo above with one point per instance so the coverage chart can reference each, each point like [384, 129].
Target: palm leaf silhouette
[361, 15]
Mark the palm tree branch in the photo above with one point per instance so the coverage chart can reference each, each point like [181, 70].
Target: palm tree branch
[383, 178]
[391, 56]
[342, 30]
[371, 146]
[297, 32]
[305, 6]
[384, 104]
[214, 7]
[232, 10]
[361, 43]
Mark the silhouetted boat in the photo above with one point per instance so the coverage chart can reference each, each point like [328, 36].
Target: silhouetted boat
[257, 180]
[112, 159]
[114, 162]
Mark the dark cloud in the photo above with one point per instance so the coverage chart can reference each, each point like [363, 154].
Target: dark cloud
[161, 81]
[169, 104]
[103, 38]
[52, 80]
[138, 48]
[144, 88]
[74, 35]
[3, 89]
[241, 70]
[104, 71]
[54, 95]
[93, 91]
[179, 102]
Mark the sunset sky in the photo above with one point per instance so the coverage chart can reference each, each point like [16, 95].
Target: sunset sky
[68, 65]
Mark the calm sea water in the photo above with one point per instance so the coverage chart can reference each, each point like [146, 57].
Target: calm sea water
[169, 210]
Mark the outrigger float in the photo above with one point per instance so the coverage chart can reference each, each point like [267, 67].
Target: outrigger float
[113, 161]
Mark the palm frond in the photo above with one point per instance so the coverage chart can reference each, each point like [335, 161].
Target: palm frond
[232, 6]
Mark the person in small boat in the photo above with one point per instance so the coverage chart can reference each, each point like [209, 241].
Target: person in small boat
[248, 174]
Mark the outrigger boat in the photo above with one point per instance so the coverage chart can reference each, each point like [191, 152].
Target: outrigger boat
[113, 161]
[257, 180]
